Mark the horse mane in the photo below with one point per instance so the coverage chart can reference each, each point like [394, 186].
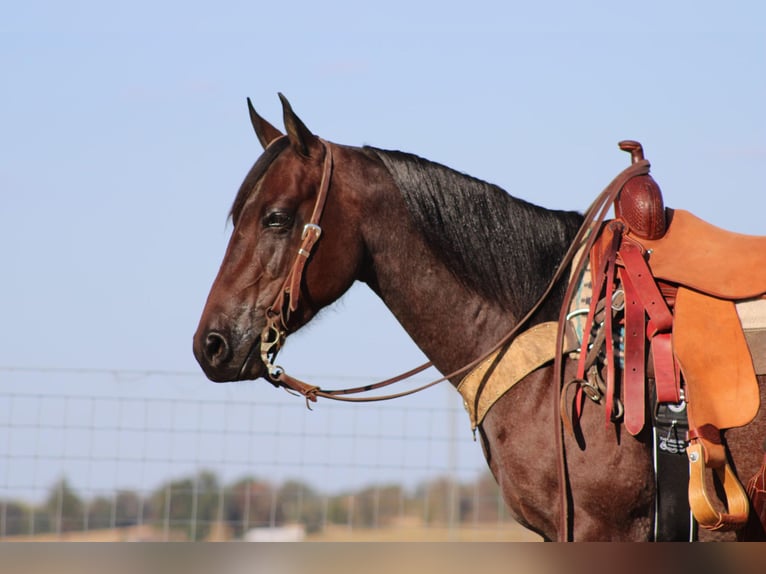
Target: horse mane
[501, 247]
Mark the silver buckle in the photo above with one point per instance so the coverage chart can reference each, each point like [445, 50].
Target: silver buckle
[313, 227]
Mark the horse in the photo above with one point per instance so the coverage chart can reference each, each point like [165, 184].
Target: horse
[460, 263]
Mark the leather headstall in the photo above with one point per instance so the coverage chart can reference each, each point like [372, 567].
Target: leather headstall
[278, 315]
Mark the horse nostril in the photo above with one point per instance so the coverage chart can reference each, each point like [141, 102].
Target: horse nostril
[216, 348]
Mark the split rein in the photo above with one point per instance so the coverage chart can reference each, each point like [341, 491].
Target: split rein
[277, 316]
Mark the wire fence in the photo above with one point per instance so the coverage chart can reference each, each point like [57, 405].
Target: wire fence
[101, 454]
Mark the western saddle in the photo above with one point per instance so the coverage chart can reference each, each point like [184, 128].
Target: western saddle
[680, 292]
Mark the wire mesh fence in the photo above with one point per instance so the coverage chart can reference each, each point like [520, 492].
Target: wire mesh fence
[125, 455]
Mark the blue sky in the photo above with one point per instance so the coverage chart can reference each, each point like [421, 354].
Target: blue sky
[124, 137]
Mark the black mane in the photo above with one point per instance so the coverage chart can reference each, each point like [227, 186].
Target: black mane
[501, 247]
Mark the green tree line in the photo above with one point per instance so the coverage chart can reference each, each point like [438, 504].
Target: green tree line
[194, 504]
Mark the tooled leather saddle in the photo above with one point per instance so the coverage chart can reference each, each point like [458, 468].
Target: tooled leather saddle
[684, 289]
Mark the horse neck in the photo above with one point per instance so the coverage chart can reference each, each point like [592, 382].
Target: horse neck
[451, 324]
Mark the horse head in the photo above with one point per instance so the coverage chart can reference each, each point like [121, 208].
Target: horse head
[280, 266]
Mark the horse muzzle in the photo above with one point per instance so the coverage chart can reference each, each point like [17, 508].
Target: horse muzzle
[225, 357]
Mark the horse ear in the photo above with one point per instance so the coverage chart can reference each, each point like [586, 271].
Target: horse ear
[264, 130]
[300, 136]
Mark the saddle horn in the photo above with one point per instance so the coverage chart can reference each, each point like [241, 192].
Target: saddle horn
[634, 148]
[640, 203]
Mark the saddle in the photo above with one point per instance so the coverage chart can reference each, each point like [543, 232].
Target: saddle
[685, 287]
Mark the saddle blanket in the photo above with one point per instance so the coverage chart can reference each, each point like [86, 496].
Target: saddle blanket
[752, 314]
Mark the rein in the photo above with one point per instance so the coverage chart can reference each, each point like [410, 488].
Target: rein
[277, 316]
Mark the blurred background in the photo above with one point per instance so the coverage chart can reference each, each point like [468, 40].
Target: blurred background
[123, 138]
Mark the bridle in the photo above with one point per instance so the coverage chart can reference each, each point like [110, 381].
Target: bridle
[277, 316]
[275, 331]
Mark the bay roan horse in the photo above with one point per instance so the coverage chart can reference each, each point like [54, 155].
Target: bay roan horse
[458, 262]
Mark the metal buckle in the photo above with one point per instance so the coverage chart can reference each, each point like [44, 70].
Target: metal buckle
[618, 300]
[591, 391]
[311, 227]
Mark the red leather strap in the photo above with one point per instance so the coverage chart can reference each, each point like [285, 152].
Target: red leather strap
[634, 376]
[666, 378]
[608, 327]
[586, 336]
[661, 319]
[638, 274]
[599, 276]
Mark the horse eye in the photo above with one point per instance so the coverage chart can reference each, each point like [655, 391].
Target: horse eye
[277, 219]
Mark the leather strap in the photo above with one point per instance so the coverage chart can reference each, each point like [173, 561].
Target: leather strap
[611, 270]
[661, 319]
[309, 237]
[666, 377]
[634, 376]
[654, 303]
[599, 276]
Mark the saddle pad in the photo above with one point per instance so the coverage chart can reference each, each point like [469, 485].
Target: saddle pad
[704, 257]
[710, 346]
[493, 377]
[752, 313]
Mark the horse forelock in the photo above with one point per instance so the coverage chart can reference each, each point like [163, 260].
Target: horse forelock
[258, 170]
[501, 247]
